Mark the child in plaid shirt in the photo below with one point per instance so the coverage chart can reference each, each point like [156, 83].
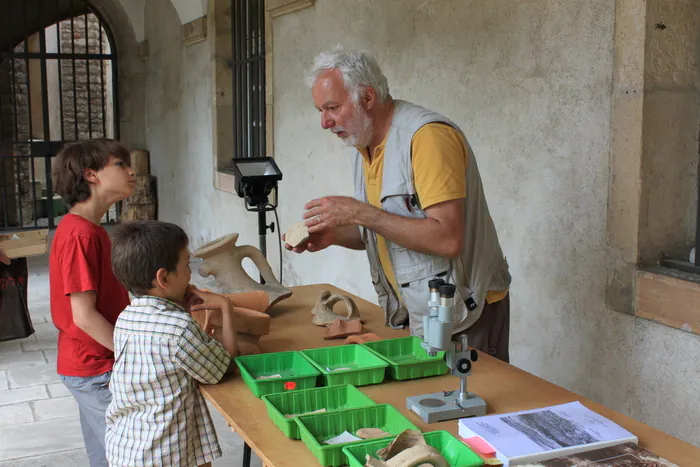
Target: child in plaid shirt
[157, 416]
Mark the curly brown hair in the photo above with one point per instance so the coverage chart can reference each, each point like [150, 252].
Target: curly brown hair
[72, 161]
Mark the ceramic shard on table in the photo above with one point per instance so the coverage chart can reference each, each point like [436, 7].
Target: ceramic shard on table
[323, 311]
[371, 433]
[362, 338]
[415, 456]
[405, 440]
[339, 329]
[223, 260]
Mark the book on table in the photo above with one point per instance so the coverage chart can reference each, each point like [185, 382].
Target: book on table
[545, 433]
[622, 455]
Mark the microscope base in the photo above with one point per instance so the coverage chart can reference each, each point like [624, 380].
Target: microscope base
[438, 407]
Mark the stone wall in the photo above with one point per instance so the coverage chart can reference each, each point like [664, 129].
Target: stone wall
[7, 211]
[83, 83]
[14, 113]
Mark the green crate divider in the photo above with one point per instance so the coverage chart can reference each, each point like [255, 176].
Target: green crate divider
[291, 365]
[365, 366]
[455, 452]
[331, 398]
[316, 428]
[408, 359]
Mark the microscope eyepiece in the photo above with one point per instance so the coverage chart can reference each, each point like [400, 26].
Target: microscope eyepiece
[434, 284]
[447, 290]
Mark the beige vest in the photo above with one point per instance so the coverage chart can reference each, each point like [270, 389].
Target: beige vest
[481, 266]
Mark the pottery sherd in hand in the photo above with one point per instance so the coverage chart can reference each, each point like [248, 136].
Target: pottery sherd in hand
[297, 234]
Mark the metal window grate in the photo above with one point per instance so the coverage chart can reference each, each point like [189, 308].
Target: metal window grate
[248, 66]
[58, 83]
[689, 267]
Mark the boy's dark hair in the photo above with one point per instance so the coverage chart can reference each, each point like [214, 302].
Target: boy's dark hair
[72, 161]
[141, 248]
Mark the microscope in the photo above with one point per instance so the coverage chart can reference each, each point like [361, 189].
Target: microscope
[437, 337]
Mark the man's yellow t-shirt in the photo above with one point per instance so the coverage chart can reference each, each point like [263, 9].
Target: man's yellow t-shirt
[434, 147]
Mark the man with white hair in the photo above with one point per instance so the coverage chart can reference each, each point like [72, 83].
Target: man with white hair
[419, 208]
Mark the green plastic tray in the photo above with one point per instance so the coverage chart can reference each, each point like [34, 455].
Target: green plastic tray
[331, 398]
[292, 366]
[455, 452]
[408, 359]
[315, 429]
[364, 366]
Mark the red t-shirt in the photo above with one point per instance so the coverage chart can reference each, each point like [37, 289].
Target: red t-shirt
[80, 261]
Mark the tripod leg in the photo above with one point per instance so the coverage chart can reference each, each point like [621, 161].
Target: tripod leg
[246, 455]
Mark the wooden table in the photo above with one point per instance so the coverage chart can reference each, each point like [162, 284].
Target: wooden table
[504, 387]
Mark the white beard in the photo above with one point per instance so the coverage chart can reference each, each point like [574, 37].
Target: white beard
[359, 129]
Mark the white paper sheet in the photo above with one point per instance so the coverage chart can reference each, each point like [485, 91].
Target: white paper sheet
[344, 437]
[564, 428]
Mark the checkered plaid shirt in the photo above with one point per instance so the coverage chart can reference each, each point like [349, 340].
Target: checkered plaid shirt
[157, 416]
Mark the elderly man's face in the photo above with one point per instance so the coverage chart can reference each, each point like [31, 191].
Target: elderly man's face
[345, 118]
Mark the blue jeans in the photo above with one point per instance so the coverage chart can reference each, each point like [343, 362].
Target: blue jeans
[93, 396]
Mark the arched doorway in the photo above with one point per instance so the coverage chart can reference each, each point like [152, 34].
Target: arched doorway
[58, 83]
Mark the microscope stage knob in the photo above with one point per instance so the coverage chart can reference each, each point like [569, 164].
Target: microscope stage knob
[464, 365]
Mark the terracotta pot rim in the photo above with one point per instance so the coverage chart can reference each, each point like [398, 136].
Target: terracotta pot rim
[213, 247]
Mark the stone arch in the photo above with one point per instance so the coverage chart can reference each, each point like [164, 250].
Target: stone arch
[132, 89]
[131, 63]
[24, 124]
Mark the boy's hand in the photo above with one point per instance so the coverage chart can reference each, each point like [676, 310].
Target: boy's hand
[214, 319]
[191, 299]
[208, 301]
[213, 323]
[220, 308]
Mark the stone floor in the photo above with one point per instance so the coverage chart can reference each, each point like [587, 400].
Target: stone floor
[39, 425]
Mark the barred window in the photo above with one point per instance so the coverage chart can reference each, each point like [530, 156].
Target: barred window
[248, 66]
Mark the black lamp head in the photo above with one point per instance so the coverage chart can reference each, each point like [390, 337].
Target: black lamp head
[256, 177]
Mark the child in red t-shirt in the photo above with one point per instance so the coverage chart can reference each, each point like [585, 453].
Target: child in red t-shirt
[86, 298]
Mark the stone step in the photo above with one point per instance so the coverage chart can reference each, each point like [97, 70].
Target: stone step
[40, 344]
[9, 347]
[21, 360]
[15, 396]
[51, 409]
[34, 439]
[33, 376]
[57, 390]
[16, 414]
[45, 330]
[71, 458]
[51, 356]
